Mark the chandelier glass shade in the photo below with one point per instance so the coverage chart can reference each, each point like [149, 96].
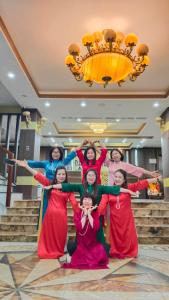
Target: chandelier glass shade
[98, 127]
[110, 58]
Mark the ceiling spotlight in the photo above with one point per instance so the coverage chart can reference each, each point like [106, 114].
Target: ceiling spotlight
[156, 104]
[83, 104]
[124, 140]
[47, 104]
[117, 120]
[11, 75]
[79, 119]
[142, 141]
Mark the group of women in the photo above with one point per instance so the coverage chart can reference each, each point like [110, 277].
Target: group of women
[90, 251]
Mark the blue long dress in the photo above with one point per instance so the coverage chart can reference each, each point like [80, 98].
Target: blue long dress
[50, 168]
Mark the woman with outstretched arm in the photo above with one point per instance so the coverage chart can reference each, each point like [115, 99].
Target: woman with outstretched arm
[54, 227]
[123, 236]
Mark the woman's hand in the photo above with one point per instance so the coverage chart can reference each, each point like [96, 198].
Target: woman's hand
[56, 186]
[134, 194]
[91, 209]
[47, 187]
[155, 174]
[83, 209]
[123, 190]
[96, 142]
[85, 142]
[20, 163]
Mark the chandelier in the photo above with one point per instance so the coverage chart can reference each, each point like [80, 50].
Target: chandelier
[109, 59]
[98, 127]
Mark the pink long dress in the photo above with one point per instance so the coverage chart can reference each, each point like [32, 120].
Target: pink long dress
[128, 168]
[123, 236]
[89, 254]
[54, 227]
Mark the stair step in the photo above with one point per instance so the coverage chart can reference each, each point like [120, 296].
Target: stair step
[150, 212]
[20, 218]
[153, 229]
[23, 210]
[21, 227]
[151, 240]
[151, 205]
[18, 215]
[27, 203]
[17, 237]
[151, 220]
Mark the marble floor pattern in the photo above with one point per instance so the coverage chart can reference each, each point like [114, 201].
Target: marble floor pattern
[24, 276]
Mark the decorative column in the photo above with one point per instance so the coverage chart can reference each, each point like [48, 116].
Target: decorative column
[29, 149]
[164, 122]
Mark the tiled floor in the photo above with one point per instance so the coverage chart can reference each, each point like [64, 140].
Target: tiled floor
[24, 276]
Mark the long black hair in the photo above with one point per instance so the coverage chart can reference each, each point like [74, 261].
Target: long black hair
[60, 151]
[85, 184]
[124, 173]
[85, 155]
[54, 181]
[121, 154]
[87, 195]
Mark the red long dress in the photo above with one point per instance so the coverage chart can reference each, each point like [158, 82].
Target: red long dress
[54, 227]
[89, 254]
[97, 166]
[123, 236]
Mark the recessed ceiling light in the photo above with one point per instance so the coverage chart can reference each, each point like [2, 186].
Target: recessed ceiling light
[142, 141]
[117, 120]
[47, 104]
[83, 104]
[156, 104]
[11, 75]
[79, 119]
[124, 140]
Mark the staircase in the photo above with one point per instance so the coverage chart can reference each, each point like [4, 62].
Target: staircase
[20, 222]
[152, 221]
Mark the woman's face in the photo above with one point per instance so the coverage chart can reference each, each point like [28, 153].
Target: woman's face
[61, 176]
[118, 178]
[87, 202]
[90, 154]
[116, 156]
[91, 177]
[55, 154]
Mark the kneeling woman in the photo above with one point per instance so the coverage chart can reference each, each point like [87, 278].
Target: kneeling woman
[89, 254]
[123, 236]
[54, 227]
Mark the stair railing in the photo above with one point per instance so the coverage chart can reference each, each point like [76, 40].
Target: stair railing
[10, 175]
